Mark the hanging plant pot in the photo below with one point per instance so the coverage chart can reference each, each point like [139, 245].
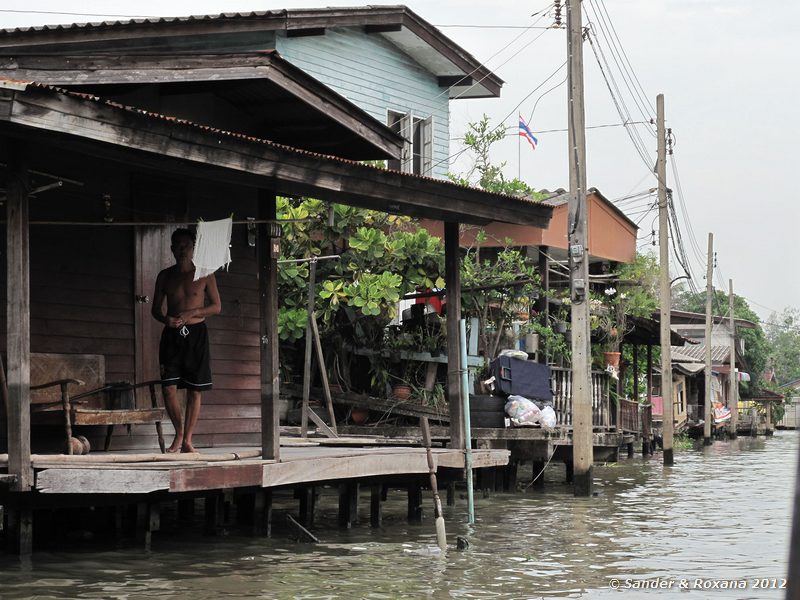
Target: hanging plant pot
[560, 327]
[611, 359]
[401, 392]
[359, 416]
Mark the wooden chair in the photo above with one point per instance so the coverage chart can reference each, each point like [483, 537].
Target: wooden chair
[72, 410]
[84, 415]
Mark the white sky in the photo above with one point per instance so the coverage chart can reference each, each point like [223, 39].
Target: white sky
[727, 70]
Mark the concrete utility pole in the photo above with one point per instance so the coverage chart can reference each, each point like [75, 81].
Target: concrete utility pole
[708, 418]
[666, 290]
[733, 390]
[582, 446]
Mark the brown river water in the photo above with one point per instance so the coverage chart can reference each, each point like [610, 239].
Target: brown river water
[720, 517]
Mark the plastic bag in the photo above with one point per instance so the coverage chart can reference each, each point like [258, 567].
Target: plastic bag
[548, 418]
[522, 411]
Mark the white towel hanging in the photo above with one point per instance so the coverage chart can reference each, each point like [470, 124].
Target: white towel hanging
[212, 250]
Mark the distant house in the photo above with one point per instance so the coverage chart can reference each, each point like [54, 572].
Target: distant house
[689, 361]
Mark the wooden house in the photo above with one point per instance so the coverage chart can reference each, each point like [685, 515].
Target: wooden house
[203, 118]
[689, 362]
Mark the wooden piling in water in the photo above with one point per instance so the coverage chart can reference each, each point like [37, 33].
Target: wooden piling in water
[376, 505]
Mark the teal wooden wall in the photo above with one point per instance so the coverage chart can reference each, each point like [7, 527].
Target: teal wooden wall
[375, 75]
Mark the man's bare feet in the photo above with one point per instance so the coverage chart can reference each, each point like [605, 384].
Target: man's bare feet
[177, 443]
[187, 447]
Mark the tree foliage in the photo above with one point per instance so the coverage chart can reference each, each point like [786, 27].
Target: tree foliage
[783, 336]
[479, 139]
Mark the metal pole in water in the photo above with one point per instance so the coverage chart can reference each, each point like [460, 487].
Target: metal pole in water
[462, 343]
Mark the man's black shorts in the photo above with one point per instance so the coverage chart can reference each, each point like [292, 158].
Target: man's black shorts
[185, 358]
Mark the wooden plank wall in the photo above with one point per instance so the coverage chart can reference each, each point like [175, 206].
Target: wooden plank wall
[82, 302]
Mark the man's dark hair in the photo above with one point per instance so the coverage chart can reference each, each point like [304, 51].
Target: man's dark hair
[183, 232]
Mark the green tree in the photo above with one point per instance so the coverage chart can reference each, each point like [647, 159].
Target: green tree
[783, 336]
[479, 139]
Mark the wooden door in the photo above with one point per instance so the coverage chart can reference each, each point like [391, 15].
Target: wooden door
[152, 254]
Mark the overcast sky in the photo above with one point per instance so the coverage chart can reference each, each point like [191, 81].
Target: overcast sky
[727, 69]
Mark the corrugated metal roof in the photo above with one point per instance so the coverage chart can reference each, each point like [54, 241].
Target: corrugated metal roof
[148, 21]
[697, 353]
[23, 85]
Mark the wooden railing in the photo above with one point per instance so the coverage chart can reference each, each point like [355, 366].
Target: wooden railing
[629, 420]
[562, 398]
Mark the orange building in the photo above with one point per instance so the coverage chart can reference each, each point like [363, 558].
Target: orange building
[612, 235]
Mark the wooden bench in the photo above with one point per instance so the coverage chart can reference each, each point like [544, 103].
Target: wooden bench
[52, 402]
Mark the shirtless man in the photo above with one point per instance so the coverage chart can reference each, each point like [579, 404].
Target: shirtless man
[183, 352]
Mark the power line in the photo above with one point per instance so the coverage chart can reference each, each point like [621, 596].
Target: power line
[483, 64]
[623, 112]
[626, 70]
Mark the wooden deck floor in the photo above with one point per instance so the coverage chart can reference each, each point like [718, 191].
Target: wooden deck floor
[213, 469]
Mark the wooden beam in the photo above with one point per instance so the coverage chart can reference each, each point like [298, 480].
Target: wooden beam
[388, 28]
[452, 259]
[268, 252]
[18, 327]
[305, 32]
[213, 154]
[448, 81]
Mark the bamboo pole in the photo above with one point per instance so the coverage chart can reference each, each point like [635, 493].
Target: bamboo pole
[441, 534]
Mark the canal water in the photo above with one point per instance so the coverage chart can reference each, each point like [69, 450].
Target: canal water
[720, 517]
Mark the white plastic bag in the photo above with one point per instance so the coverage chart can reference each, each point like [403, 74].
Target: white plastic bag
[522, 411]
[548, 418]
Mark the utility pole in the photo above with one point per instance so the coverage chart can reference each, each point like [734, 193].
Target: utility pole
[709, 293]
[582, 446]
[666, 290]
[733, 390]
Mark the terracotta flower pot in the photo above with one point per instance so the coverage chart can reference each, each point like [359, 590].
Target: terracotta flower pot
[401, 392]
[611, 359]
[359, 416]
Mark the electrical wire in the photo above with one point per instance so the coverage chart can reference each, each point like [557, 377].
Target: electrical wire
[608, 31]
[483, 64]
[623, 112]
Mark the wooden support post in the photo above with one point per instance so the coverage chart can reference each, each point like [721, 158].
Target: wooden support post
[118, 523]
[414, 502]
[19, 534]
[268, 251]
[186, 509]
[631, 451]
[375, 505]
[308, 501]
[569, 471]
[538, 473]
[510, 478]
[213, 513]
[451, 493]
[452, 259]
[18, 329]
[348, 504]
[148, 520]
[262, 513]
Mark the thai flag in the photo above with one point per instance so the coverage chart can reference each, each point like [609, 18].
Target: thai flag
[526, 133]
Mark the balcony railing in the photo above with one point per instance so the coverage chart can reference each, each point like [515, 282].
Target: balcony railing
[562, 398]
[629, 420]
